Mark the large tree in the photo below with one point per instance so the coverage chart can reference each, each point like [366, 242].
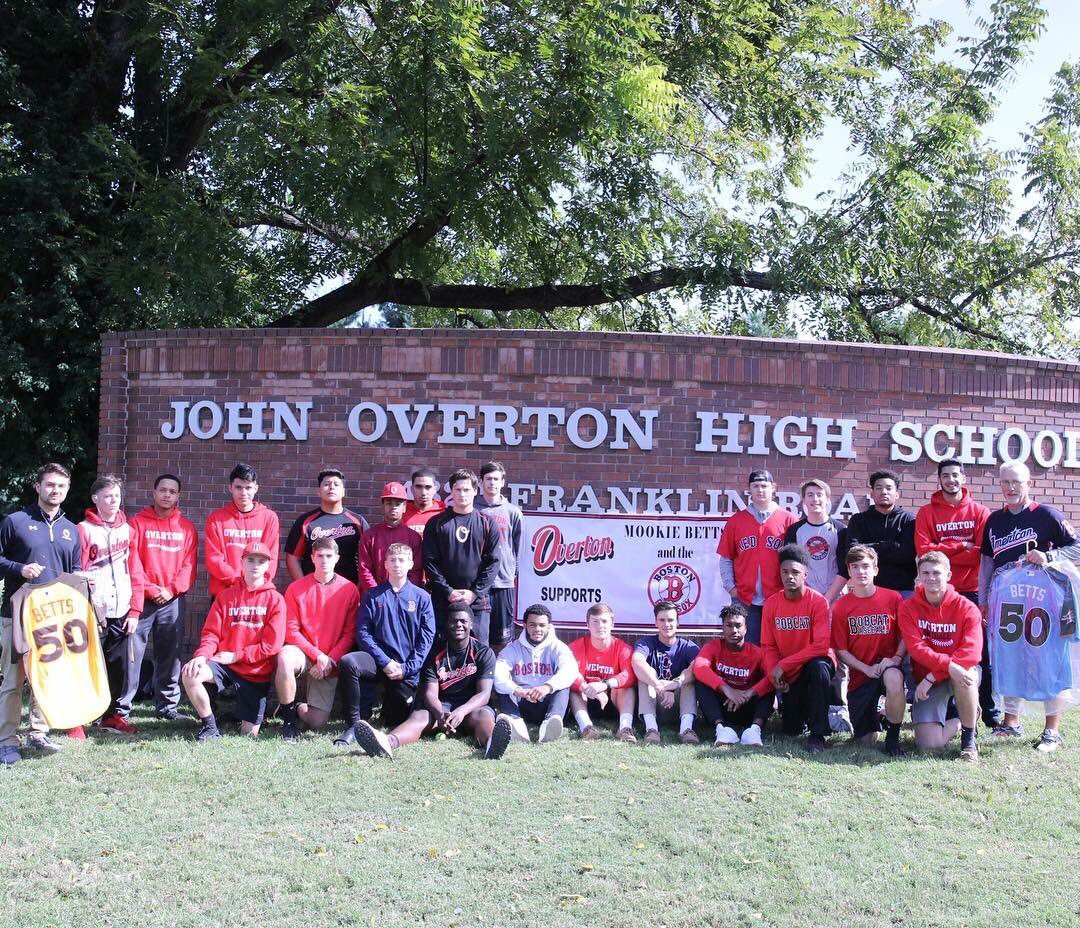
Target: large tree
[628, 165]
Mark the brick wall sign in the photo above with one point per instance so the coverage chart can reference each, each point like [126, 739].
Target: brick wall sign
[585, 422]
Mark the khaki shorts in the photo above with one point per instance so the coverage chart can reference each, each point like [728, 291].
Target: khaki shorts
[320, 693]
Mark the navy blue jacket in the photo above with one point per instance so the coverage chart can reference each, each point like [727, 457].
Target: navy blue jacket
[28, 537]
[397, 627]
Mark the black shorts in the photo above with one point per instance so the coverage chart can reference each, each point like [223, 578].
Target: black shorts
[503, 602]
[250, 696]
[863, 707]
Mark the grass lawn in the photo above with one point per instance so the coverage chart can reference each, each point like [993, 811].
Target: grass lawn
[161, 831]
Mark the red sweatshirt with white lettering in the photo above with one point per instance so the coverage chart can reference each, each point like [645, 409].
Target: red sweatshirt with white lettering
[228, 532]
[794, 631]
[611, 663]
[250, 624]
[936, 636]
[718, 663]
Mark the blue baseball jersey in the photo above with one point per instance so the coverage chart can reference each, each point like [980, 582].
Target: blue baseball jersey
[1031, 623]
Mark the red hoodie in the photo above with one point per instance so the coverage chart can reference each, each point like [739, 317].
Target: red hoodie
[936, 636]
[718, 663]
[321, 617]
[228, 532]
[794, 631]
[250, 624]
[168, 549]
[945, 527]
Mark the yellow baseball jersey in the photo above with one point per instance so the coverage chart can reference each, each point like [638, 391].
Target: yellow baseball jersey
[56, 627]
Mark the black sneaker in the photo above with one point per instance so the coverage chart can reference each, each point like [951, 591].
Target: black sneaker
[373, 741]
[815, 744]
[208, 731]
[893, 749]
[290, 731]
[172, 715]
[346, 739]
[500, 738]
[991, 719]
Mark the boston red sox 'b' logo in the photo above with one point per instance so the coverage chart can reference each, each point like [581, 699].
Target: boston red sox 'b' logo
[677, 583]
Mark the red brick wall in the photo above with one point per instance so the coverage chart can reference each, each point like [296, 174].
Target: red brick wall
[142, 372]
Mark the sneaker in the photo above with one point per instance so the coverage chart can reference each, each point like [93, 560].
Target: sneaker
[1049, 742]
[689, 737]
[9, 755]
[374, 742]
[991, 719]
[652, 736]
[751, 737]
[1009, 731]
[550, 729]
[208, 731]
[970, 755]
[815, 744]
[626, 735]
[290, 731]
[590, 733]
[840, 721]
[346, 739]
[519, 731]
[118, 725]
[172, 715]
[76, 733]
[893, 749]
[42, 743]
[725, 736]
[500, 738]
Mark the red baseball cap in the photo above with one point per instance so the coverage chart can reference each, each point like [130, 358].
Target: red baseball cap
[394, 490]
[256, 549]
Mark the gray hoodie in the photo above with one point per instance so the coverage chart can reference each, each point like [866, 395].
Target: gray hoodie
[524, 664]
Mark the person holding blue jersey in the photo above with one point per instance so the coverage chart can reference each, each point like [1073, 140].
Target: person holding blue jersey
[1023, 530]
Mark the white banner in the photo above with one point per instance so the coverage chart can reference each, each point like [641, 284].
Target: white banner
[569, 561]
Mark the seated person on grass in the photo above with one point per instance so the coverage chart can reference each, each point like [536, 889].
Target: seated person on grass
[240, 639]
[394, 631]
[799, 661]
[606, 684]
[729, 672]
[663, 665]
[866, 638]
[455, 687]
[320, 623]
[943, 634]
[533, 676]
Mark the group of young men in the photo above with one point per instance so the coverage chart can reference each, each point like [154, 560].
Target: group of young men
[417, 612]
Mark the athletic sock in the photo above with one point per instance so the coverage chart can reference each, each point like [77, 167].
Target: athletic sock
[626, 720]
[686, 723]
[719, 726]
[209, 721]
[288, 711]
[967, 737]
[581, 716]
[650, 721]
[892, 732]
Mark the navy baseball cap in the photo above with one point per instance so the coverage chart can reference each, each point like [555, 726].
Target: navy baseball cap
[757, 476]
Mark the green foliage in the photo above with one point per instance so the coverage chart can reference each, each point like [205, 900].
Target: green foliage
[583, 165]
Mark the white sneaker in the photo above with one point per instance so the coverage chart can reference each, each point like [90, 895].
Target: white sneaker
[725, 735]
[519, 731]
[550, 729]
[373, 741]
[1051, 741]
[751, 737]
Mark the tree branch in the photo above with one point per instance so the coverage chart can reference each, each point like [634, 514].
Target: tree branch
[290, 222]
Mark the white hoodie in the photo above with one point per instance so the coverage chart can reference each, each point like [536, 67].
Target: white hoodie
[524, 664]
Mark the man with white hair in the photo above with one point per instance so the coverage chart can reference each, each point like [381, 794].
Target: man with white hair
[1038, 534]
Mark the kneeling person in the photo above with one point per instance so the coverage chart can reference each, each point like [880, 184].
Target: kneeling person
[533, 675]
[606, 682]
[320, 622]
[394, 630]
[943, 634]
[242, 634]
[798, 658]
[866, 638]
[455, 688]
[729, 673]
